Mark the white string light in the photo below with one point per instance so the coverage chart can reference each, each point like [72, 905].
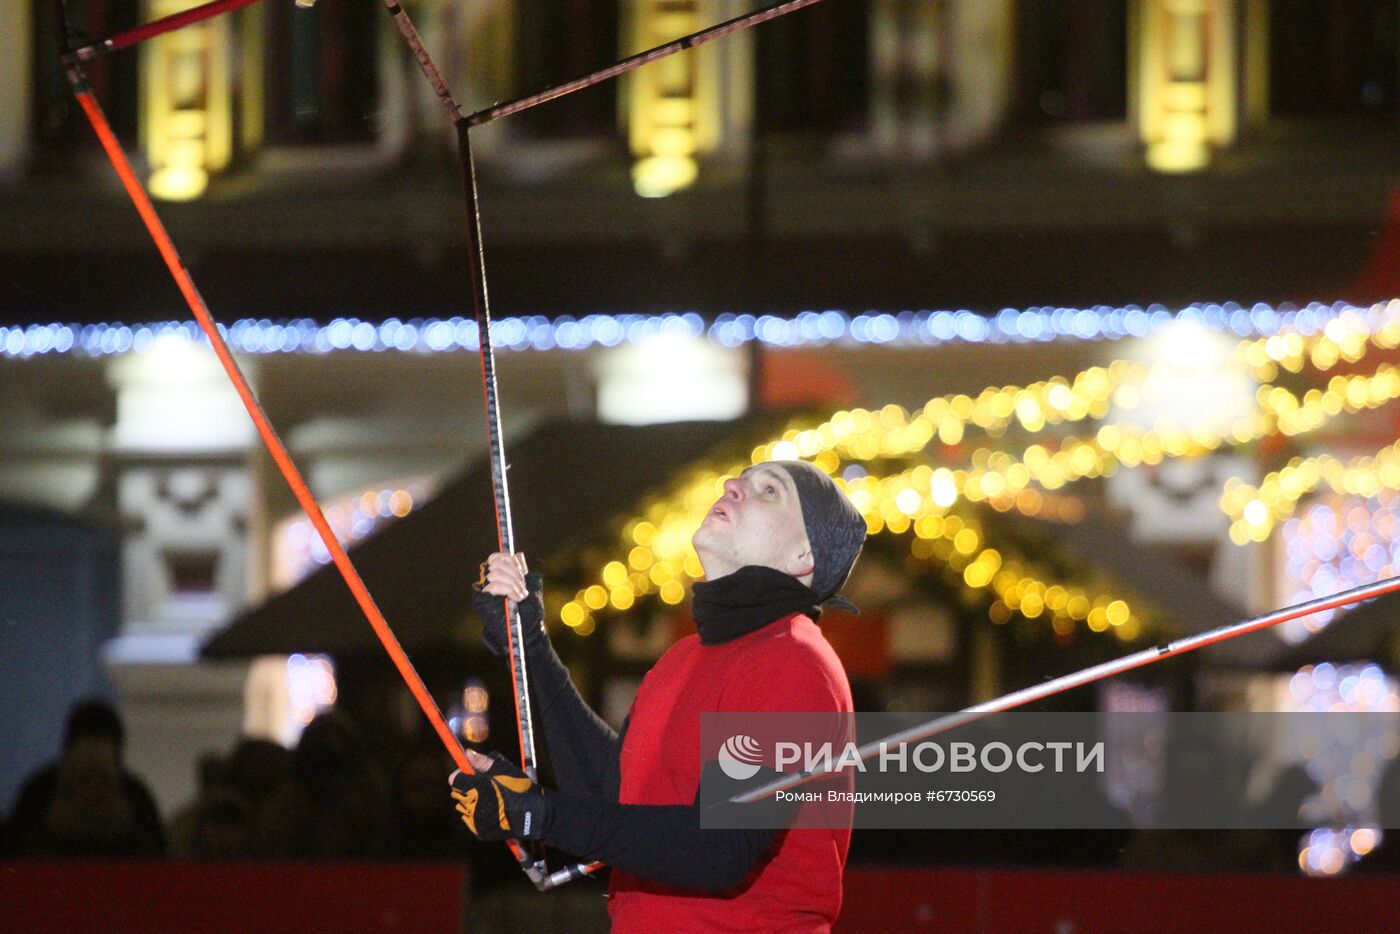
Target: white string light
[808, 328]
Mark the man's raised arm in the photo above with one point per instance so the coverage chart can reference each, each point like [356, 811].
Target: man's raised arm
[583, 750]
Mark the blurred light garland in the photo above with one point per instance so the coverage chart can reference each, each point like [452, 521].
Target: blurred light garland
[892, 431]
[659, 557]
[657, 545]
[808, 328]
[1350, 394]
[1256, 510]
[660, 560]
[1346, 337]
[1016, 584]
[352, 519]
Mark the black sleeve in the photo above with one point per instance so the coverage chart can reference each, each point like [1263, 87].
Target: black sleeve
[661, 843]
[584, 751]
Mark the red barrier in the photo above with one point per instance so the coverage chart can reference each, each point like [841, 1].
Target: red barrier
[1012, 902]
[213, 898]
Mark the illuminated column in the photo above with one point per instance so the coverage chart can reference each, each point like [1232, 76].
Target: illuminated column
[249, 89]
[1185, 83]
[1254, 73]
[940, 73]
[688, 104]
[981, 70]
[186, 102]
[478, 39]
[14, 86]
[906, 63]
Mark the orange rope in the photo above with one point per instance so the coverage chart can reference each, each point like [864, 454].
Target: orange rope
[269, 436]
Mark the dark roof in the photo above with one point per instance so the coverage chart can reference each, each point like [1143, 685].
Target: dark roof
[566, 480]
[32, 517]
[1369, 632]
[1177, 591]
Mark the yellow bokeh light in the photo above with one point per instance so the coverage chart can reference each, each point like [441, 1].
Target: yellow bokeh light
[966, 542]
[943, 489]
[571, 614]
[595, 597]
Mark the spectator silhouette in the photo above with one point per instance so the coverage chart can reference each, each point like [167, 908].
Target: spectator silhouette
[86, 804]
[426, 825]
[1388, 798]
[1279, 816]
[221, 822]
[333, 804]
[218, 826]
[1202, 798]
[255, 769]
[1386, 857]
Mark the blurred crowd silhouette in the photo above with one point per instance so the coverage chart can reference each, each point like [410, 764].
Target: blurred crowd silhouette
[330, 798]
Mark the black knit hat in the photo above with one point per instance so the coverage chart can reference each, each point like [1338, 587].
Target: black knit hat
[835, 529]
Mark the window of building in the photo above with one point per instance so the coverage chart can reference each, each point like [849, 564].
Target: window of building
[1071, 61]
[556, 41]
[813, 70]
[1332, 57]
[322, 72]
[58, 125]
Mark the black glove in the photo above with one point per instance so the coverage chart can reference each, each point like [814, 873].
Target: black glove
[492, 610]
[501, 802]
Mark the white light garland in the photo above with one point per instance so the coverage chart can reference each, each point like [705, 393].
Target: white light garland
[808, 328]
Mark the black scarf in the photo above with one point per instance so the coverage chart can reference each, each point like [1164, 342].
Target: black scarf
[749, 599]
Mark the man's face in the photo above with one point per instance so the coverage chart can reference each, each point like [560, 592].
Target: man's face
[758, 521]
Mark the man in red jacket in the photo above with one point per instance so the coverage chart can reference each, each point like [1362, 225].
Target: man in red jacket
[777, 545]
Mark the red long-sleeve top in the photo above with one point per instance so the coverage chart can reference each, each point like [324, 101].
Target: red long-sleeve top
[784, 666]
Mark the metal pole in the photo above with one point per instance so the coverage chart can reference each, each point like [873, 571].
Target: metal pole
[505, 532]
[1086, 676]
[633, 62]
